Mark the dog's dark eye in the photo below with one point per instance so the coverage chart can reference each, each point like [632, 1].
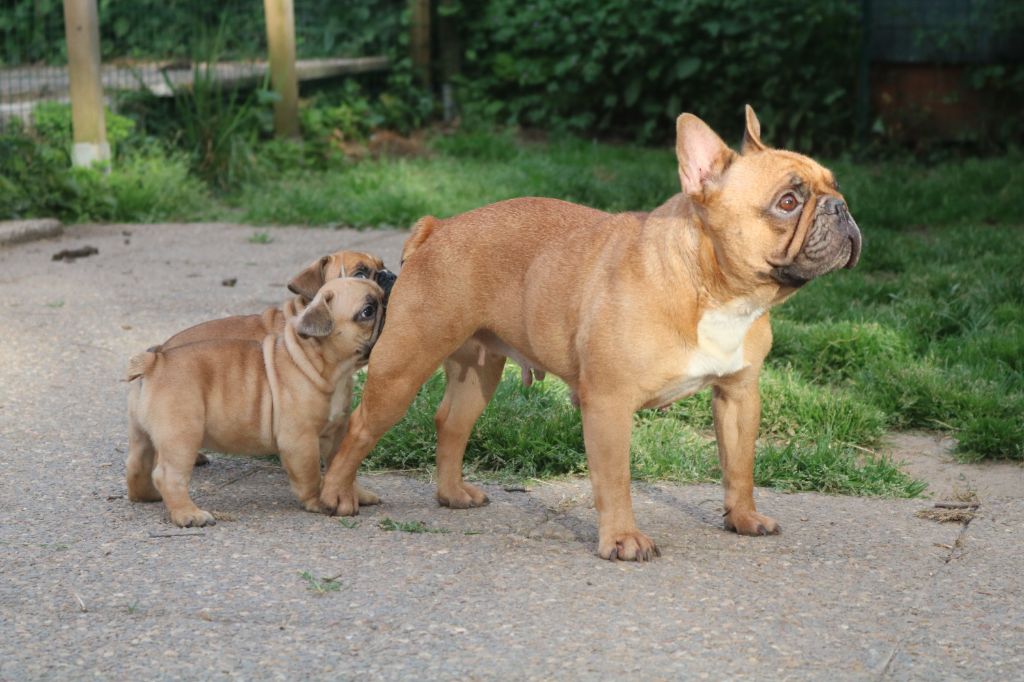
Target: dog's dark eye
[788, 202]
[368, 312]
[361, 272]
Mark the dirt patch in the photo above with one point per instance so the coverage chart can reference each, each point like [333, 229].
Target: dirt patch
[929, 457]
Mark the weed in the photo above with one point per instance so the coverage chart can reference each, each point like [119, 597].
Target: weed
[348, 523]
[320, 585]
[260, 238]
[408, 526]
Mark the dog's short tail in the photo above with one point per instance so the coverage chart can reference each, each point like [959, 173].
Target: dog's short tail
[421, 231]
[139, 365]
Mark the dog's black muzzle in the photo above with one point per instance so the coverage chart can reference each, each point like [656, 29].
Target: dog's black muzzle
[386, 280]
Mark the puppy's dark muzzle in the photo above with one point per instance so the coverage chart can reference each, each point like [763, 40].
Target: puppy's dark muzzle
[386, 280]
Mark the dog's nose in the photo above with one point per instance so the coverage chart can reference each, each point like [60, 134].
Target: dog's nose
[834, 206]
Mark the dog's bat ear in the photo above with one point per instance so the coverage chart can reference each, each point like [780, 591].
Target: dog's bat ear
[316, 320]
[309, 281]
[702, 155]
[752, 133]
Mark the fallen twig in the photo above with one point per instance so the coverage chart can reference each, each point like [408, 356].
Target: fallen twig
[175, 534]
[70, 255]
[957, 505]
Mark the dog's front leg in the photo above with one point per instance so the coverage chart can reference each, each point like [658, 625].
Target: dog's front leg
[736, 404]
[300, 456]
[607, 424]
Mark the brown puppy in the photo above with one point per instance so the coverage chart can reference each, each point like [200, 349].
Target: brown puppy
[632, 311]
[272, 321]
[247, 397]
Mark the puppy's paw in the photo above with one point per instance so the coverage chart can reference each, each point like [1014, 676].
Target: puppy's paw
[751, 523]
[462, 496]
[312, 505]
[366, 498]
[339, 501]
[192, 518]
[627, 546]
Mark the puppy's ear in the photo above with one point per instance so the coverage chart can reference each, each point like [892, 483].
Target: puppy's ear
[316, 320]
[309, 281]
[752, 133]
[702, 155]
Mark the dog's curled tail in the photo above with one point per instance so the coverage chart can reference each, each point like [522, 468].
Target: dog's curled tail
[421, 231]
[139, 365]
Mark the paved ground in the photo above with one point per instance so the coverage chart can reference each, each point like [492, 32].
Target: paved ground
[95, 586]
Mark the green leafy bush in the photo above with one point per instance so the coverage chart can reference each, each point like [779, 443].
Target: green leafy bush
[622, 66]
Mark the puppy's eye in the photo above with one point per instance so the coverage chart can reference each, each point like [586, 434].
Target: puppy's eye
[788, 202]
[361, 273]
[368, 312]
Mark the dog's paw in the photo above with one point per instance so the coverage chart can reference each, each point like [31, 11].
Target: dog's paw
[462, 496]
[339, 501]
[192, 518]
[312, 505]
[751, 523]
[366, 498]
[627, 546]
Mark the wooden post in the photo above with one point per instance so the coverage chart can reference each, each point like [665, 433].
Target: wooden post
[419, 41]
[449, 55]
[280, 16]
[82, 32]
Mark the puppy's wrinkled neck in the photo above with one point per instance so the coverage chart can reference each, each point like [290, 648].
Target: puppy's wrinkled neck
[307, 356]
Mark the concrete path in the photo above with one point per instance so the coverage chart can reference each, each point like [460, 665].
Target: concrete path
[93, 586]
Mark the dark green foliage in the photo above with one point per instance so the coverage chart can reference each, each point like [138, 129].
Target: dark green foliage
[32, 31]
[622, 66]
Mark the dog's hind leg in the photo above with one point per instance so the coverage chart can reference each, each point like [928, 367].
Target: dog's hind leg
[139, 466]
[173, 472]
[395, 375]
[472, 378]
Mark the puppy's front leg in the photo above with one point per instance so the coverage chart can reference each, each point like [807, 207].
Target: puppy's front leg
[736, 404]
[607, 424]
[300, 456]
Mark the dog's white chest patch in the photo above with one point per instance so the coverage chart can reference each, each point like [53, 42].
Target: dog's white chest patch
[719, 351]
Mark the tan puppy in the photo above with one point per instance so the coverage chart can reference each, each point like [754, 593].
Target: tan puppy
[272, 321]
[247, 397]
[632, 311]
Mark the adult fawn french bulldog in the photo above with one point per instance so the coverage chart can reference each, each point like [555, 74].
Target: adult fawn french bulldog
[304, 285]
[247, 397]
[632, 311]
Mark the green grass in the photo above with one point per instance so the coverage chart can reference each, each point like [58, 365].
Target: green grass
[320, 586]
[461, 173]
[388, 524]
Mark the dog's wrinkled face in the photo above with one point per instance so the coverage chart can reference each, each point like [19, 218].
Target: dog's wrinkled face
[773, 214]
[347, 314]
[341, 264]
